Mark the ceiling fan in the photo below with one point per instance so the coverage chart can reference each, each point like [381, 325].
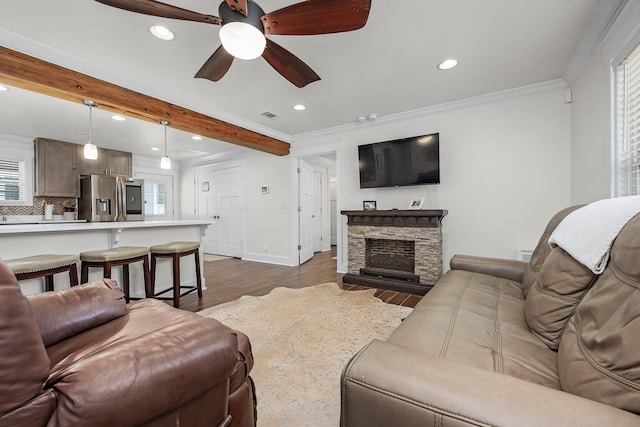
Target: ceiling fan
[244, 25]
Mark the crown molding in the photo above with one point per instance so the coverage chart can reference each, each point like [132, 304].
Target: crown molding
[14, 138]
[623, 35]
[597, 31]
[552, 85]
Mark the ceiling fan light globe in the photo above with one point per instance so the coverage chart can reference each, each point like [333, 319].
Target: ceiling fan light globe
[242, 40]
[90, 151]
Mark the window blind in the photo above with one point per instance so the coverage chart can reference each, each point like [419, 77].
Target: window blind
[628, 125]
[12, 180]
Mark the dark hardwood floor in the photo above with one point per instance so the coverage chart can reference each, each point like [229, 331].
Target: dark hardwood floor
[229, 279]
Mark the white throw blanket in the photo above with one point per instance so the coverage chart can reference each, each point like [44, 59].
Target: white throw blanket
[587, 233]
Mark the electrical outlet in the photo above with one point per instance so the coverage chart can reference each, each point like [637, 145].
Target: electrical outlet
[265, 248]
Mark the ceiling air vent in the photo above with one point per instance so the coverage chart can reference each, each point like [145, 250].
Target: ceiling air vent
[270, 115]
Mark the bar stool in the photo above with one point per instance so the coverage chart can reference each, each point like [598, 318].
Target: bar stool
[108, 258]
[44, 266]
[175, 251]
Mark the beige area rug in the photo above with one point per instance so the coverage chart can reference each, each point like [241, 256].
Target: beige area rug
[301, 341]
[210, 257]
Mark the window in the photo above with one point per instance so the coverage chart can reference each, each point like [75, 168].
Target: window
[11, 180]
[15, 176]
[627, 178]
[155, 198]
[158, 195]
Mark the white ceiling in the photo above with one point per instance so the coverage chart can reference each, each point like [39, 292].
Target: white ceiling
[386, 68]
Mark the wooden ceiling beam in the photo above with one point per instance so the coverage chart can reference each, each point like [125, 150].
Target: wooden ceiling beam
[26, 72]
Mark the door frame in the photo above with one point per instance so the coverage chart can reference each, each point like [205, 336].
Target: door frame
[297, 153]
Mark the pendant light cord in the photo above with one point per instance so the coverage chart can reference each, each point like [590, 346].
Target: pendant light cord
[165, 138]
[90, 124]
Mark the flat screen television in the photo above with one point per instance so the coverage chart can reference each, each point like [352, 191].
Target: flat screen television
[400, 162]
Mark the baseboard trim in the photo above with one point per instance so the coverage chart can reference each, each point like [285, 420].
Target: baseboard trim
[269, 259]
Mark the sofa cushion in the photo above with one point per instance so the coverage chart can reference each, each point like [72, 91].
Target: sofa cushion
[25, 364]
[559, 286]
[478, 320]
[599, 353]
[543, 249]
[66, 313]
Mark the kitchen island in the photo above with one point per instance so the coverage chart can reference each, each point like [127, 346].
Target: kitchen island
[20, 240]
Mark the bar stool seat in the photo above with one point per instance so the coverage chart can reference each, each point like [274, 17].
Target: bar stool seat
[44, 266]
[175, 251]
[123, 256]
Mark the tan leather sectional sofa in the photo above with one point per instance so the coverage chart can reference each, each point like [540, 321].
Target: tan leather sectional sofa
[506, 343]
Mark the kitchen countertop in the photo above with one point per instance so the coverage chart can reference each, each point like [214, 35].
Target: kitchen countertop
[67, 226]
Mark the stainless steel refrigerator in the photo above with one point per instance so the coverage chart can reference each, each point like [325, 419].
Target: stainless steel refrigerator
[111, 198]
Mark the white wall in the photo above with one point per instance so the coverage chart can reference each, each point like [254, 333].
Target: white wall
[592, 129]
[267, 215]
[505, 170]
[590, 134]
[267, 222]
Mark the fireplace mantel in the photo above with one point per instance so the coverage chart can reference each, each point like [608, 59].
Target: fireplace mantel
[396, 218]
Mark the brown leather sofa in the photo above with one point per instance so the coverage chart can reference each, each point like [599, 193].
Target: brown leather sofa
[83, 357]
[506, 343]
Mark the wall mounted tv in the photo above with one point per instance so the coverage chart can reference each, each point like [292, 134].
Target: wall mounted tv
[401, 162]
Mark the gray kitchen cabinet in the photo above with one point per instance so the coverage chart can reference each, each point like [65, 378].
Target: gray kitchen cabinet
[56, 168]
[109, 162]
[118, 163]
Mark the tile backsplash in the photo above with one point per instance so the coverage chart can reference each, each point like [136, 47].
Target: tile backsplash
[38, 206]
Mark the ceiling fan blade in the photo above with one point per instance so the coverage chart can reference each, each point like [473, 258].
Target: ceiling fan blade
[155, 8]
[289, 65]
[318, 17]
[238, 6]
[216, 66]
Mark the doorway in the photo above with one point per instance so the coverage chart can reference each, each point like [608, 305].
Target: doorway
[316, 213]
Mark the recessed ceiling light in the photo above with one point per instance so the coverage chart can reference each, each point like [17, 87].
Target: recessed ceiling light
[196, 137]
[118, 118]
[447, 64]
[163, 33]
[155, 149]
[4, 88]
[299, 107]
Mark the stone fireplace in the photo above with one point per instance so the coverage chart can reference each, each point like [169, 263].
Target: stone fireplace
[396, 250]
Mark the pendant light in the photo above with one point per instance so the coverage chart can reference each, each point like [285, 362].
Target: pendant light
[90, 150]
[165, 163]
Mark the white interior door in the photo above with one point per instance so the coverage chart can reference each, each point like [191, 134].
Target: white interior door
[230, 206]
[207, 208]
[316, 211]
[333, 210]
[305, 211]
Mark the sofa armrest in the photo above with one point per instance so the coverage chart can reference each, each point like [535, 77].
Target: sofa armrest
[68, 312]
[510, 269]
[386, 384]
